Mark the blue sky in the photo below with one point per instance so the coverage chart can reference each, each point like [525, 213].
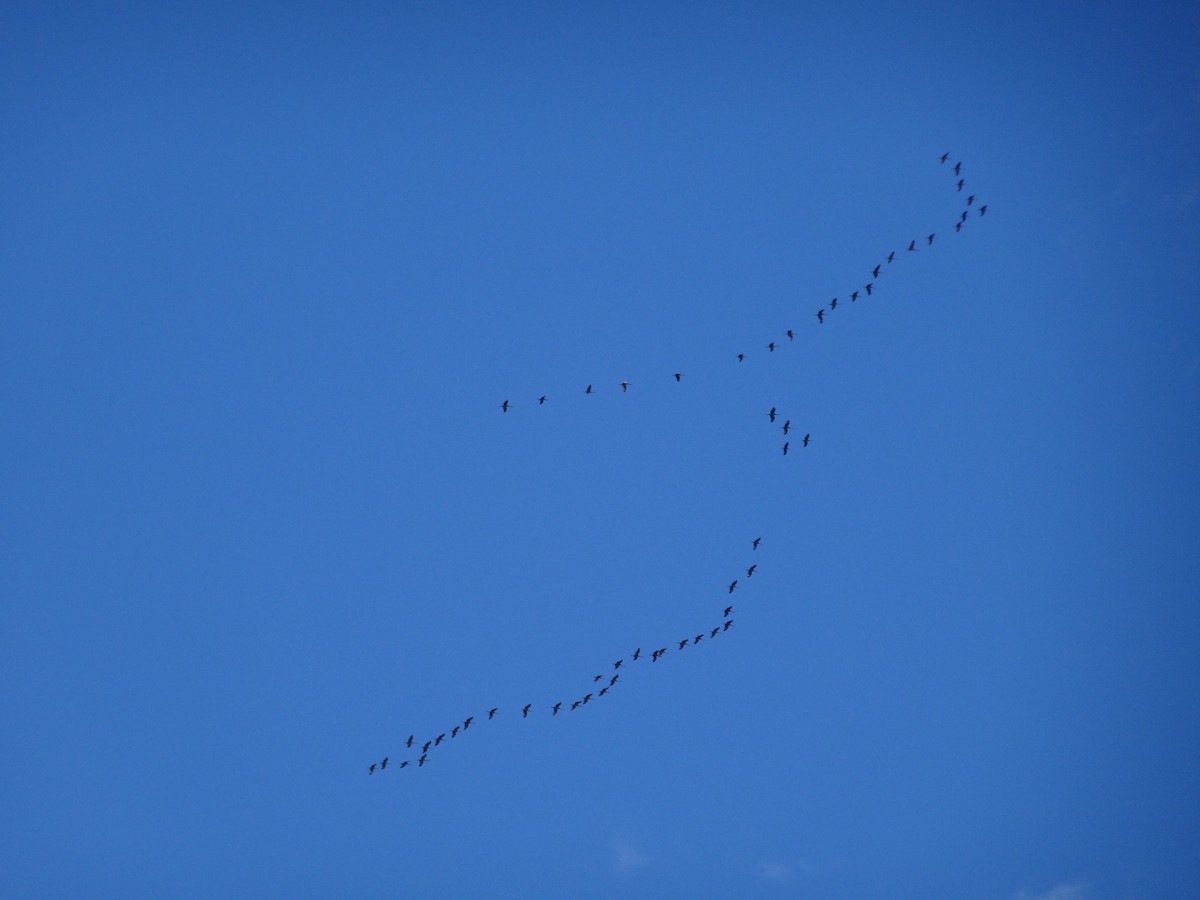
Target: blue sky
[266, 277]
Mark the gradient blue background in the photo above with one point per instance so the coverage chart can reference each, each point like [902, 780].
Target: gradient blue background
[265, 277]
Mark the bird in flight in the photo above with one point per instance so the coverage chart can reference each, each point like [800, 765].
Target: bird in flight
[983, 210]
[603, 691]
[785, 447]
[421, 761]
[454, 732]
[624, 387]
[750, 571]
[930, 239]
[383, 765]
[697, 639]
[525, 710]
[957, 168]
[741, 357]
[492, 712]
[807, 438]
[868, 288]
[425, 749]
[637, 653]
[504, 406]
[964, 216]
[371, 771]
[821, 316]
[958, 226]
[875, 272]
[467, 724]
[912, 246]
[613, 680]
[728, 625]
[712, 634]
[854, 294]
[771, 346]
[970, 199]
[441, 737]
[732, 585]
[678, 376]
[617, 664]
[587, 697]
[557, 707]
[683, 643]
[408, 743]
[786, 426]
[790, 334]
[405, 763]
[891, 256]
[960, 184]
[771, 414]
[728, 610]
[541, 399]
[754, 543]
[589, 389]
[833, 304]
[575, 705]
[944, 157]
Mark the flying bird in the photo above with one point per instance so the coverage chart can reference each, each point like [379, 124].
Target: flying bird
[750, 571]
[425, 749]
[728, 610]
[504, 406]
[833, 304]
[728, 625]
[678, 376]
[790, 334]
[541, 399]
[957, 168]
[891, 256]
[383, 765]
[821, 316]
[637, 653]
[732, 585]
[868, 288]
[983, 210]
[944, 157]
[807, 438]
[912, 246]
[421, 761]
[754, 543]
[970, 199]
[771, 414]
[371, 771]
[408, 743]
[613, 680]
[603, 691]
[741, 357]
[960, 184]
[492, 712]
[786, 426]
[467, 724]
[589, 389]
[587, 697]
[683, 643]
[697, 639]
[964, 216]
[525, 710]
[575, 705]
[958, 226]
[624, 387]
[712, 634]
[875, 272]
[854, 294]
[785, 447]
[771, 346]
[454, 732]
[441, 737]
[405, 763]
[930, 238]
[557, 707]
[617, 664]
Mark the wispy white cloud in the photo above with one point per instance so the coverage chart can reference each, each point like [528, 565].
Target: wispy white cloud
[626, 857]
[775, 870]
[1071, 891]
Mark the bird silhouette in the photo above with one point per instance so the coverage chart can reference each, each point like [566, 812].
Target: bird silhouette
[771, 414]
[541, 399]
[957, 168]
[383, 765]
[421, 761]
[557, 707]
[454, 732]
[741, 357]
[754, 543]
[912, 246]
[786, 426]
[371, 771]
[637, 653]
[771, 346]
[728, 610]
[868, 287]
[492, 712]
[833, 304]
[930, 239]
[983, 210]
[964, 216]
[613, 680]
[712, 634]
[504, 406]
[683, 643]
[678, 376]
[603, 691]
[408, 743]
[875, 272]
[958, 226]
[960, 184]
[697, 639]
[728, 624]
[732, 585]
[597, 678]
[587, 697]
[624, 387]
[405, 763]
[944, 157]
[589, 389]
[575, 705]
[854, 294]
[467, 724]
[441, 737]
[821, 316]
[617, 664]
[750, 571]
[785, 447]
[790, 334]
[970, 199]
[525, 710]
[891, 256]
[807, 438]
[425, 749]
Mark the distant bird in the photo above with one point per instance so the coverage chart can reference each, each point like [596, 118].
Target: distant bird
[405, 763]
[958, 226]
[930, 239]
[983, 210]
[683, 643]
[637, 653]
[441, 737]
[678, 376]
[575, 705]
[854, 294]
[964, 216]
[786, 426]
[728, 625]
[875, 271]
[750, 571]
[541, 399]
[425, 749]
[833, 304]
[589, 389]
[785, 447]
[912, 246]
[807, 438]
[821, 316]
[492, 712]
[383, 765]
[613, 680]
[557, 707]
[891, 256]
[728, 610]
[421, 761]
[732, 585]
[970, 199]
[624, 387]
[712, 634]
[771, 346]
[597, 678]
[741, 357]
[454, 732]
[408, 743]
[587, 697]
[868, 287]
[467, 724]
[617, 664]
[790, 334]
[771, 414]
[754, 543]
[603, 691]
[697, 639]
[504, 406]
[944, 157]
[957, 168]
[960, 184]
[655, 655]
[525, 710]
[371, 771]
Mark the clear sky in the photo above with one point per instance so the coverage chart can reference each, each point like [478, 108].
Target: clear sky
[266, 276]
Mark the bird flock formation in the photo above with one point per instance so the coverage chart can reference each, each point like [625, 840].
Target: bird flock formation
[610, 680]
